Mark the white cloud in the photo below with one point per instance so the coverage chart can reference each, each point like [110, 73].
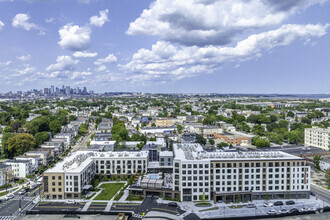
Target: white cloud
[25, 71]
[100, 20]
[63, 63]
[21, 20]
[49, 20]
[109, 59]
[24, 57]
[80, 75]
[165, 61]
[84, 54]
[101, 68]
[216, 22]
[74, 37]
[1, 25]
[7, 63]
[84, 1]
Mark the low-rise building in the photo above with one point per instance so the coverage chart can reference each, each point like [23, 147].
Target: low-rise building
[234, 139]
[4, 174]
[318, 137]
[44, 156]
[21, 168]
[166, 158]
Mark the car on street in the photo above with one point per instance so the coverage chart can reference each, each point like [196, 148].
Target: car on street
[312, 194]
[271, 212]
[268, 204]
[291, 202]
[22, 192]
[283, 211]
[251, 205]
[278, 203]
[173, 204]
[70, 202]
[9, 196]
[294, 210]
[305, 209]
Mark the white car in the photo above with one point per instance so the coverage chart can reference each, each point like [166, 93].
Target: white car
[70, 202]
[271, 212]
[268, 204]
[9, 196]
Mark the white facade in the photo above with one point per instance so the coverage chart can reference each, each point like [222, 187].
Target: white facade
[318, 137]
[21, 168]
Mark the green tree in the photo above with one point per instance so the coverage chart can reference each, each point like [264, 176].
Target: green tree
[200, 139]
[41, 137]
[222, 144]
[211, 141]
[258, 130]
[316, 161]
[4, 147]
[19, 144]
[290, 114]
[55, 126]
[179, 128]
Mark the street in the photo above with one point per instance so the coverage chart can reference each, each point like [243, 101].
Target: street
[82, 142]
[10, 208]
[321, 193]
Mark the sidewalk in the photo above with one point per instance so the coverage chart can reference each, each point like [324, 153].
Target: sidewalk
[160, 215]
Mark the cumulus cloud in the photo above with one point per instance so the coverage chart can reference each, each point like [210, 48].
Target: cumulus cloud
[99, 21]
[7, 63]
[63, 63]
[84, 54]
[216, 22]
[21, 20]
[1, 25]
[101, 68]
[166, 61]
[74, 37]
[109, 59]
[25, 71]
[24, 57]
[80, 75]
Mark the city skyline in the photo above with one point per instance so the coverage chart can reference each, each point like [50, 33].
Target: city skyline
[137, 46]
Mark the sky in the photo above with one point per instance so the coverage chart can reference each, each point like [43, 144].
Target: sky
[166, 46]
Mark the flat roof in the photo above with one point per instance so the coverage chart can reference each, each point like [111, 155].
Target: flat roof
[78, 160]
[300, 150]
[194, 151]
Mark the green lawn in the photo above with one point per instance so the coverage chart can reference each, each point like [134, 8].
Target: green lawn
[131, 197]
[4, 193]
[109, 190]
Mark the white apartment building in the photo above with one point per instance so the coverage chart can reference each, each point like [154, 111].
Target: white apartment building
[238, 176]
[21, 168]
[318, 137]
[70, 177]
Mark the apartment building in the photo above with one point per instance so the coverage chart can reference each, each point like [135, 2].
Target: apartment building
[69, 178]
[208, 131]
[238, 176]
[165, 122]
[318, 137]
[21, 168]
[234, 139]
[4, 174]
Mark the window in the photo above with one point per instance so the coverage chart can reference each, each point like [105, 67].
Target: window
[53, 177]
[59, 178]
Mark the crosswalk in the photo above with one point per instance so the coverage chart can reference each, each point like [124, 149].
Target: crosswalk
[23, 198]
[6, 217]
[137, 216]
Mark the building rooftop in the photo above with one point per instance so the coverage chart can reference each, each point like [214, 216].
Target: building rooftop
[77, 161]
[196, 152]
[166, 154]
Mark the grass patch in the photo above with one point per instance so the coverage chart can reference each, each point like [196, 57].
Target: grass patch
[236, 206]
[109, 190]
[134, 198]
[202, 204]
[210, 209]
[119, 195]
[4, 193]
[100, 203]
[89, 197]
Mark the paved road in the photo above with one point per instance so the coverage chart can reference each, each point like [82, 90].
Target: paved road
[321, 193]
[82, 142]
[10, 208]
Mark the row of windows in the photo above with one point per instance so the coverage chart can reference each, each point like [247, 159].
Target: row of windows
[195, 184]
[195, 172]
[195, 166]
[189, 178]
[258, 164]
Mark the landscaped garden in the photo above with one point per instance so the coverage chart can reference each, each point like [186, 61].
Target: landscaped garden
[109, 190]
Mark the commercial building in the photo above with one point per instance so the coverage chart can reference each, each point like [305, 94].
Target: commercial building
[318, 137]
[238, 176]
[70, 177]
[234, 139]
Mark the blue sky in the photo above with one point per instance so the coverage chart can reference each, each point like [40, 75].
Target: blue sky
[224, 46]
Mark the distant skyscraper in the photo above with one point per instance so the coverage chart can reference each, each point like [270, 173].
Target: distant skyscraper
[67, 90]
[52, 90]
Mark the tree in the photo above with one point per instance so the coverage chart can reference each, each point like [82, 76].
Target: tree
[260, 142]
[306, 120]
[19, 144]
[55, 126]
[211, 141]
[290, 114]
[41, 137]
[316, 161]
[200, 139]
[258, 130]
[15, 126]
[179, 128]
[4, 147]
[222, 144]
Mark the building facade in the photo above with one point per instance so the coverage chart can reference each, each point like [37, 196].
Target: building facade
[238, 176]
[318, 137]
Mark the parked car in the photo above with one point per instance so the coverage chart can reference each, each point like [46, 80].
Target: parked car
[70, 202]
[172, 204]
[294, 210]
[251, 205]
[268, 204]
[291, 202]
[271, 212]
[305, 209]
[278, 203]
[312, 194]
[9, 196]
[22, 192]
[283, 211]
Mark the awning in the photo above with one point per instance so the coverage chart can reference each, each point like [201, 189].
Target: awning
[87, 187]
